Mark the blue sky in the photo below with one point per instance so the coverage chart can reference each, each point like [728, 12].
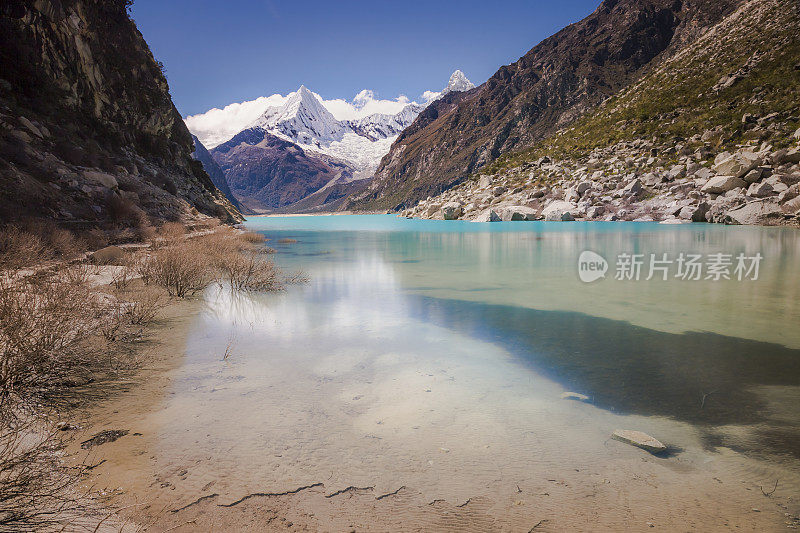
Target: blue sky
[219, 52]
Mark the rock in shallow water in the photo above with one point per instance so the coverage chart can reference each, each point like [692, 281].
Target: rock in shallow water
[639, 439]
[574, 396]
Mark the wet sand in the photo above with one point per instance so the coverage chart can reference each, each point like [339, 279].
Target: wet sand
[385, 440]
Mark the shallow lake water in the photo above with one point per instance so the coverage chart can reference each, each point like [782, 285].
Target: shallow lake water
[432, 355]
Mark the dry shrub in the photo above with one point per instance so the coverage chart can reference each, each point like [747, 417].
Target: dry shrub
[183, 269]
[37, 490]
[249, 271]
[45, 326]
[253, 237]
[20, 248]
[143, 306]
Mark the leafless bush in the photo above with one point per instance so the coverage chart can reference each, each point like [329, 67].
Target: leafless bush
[252, 237]
[37, 490]
[247, 270]
[142, 306]
[183, 269]
[19, 248]
[45, 325]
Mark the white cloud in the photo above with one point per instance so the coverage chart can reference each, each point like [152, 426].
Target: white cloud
[216, 126]
[430, 96]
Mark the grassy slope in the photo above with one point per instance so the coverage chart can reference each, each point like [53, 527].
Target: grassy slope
[677, 99]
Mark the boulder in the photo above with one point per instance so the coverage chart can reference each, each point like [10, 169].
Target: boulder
[432, 209]
[704, 173]
[721, 184]
[498, 191]
[790, 193]
[582, 187]
[488, 215]
[595, 211]
[760, 212]
[639, 439]
[736, 165]
[792, 207]
[485, 182]
[760, 190]
[517, 212]
[102, 178]
[110, 255]
[557, 210]
[695, 213]
[753, 176]
[633, 188]
[451, 210]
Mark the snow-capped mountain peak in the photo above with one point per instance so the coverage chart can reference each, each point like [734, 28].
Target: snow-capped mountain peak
[458, 82]
[302, 118]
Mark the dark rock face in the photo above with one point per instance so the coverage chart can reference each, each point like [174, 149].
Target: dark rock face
[80, 91]
[550, 86]
[268, 173]
[214, 172]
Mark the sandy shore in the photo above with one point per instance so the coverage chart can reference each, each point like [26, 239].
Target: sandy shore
[323, 446]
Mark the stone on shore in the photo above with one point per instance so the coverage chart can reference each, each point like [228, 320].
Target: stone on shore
[517, 212]
[721, 184]
[737, 164]
[558, 211]
[639, 439]
[489, 215]
[451, 210]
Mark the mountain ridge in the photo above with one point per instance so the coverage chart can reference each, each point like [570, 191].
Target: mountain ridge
[552, 84]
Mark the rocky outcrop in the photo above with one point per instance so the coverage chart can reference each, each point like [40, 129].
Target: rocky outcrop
[555, 82]
[88, 131]
[214, 172]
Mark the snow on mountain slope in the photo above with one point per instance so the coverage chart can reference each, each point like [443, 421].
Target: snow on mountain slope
[359, 132]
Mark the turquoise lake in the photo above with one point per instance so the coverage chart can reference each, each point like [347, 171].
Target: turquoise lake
[433, 355]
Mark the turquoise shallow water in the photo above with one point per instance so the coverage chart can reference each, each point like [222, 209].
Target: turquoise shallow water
[715, 354]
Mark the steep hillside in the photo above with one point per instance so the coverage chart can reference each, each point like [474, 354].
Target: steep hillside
[554, 83]
[267, 173]
[88, 131]
[711, 134]
[214, 172]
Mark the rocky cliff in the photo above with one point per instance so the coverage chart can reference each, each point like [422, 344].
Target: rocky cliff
[709, 135]
[554, 83]
[213, 170]
[88, 131]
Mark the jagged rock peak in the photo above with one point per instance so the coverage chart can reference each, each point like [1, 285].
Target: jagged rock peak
[458, 82]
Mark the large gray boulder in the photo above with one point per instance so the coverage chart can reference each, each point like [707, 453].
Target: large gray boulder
[763, 213]
[760, 190]
[558, 211]
[695, 213]
[737, 164]
[451, 210]
[488, 215]
[517, 212]
[722, 184]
